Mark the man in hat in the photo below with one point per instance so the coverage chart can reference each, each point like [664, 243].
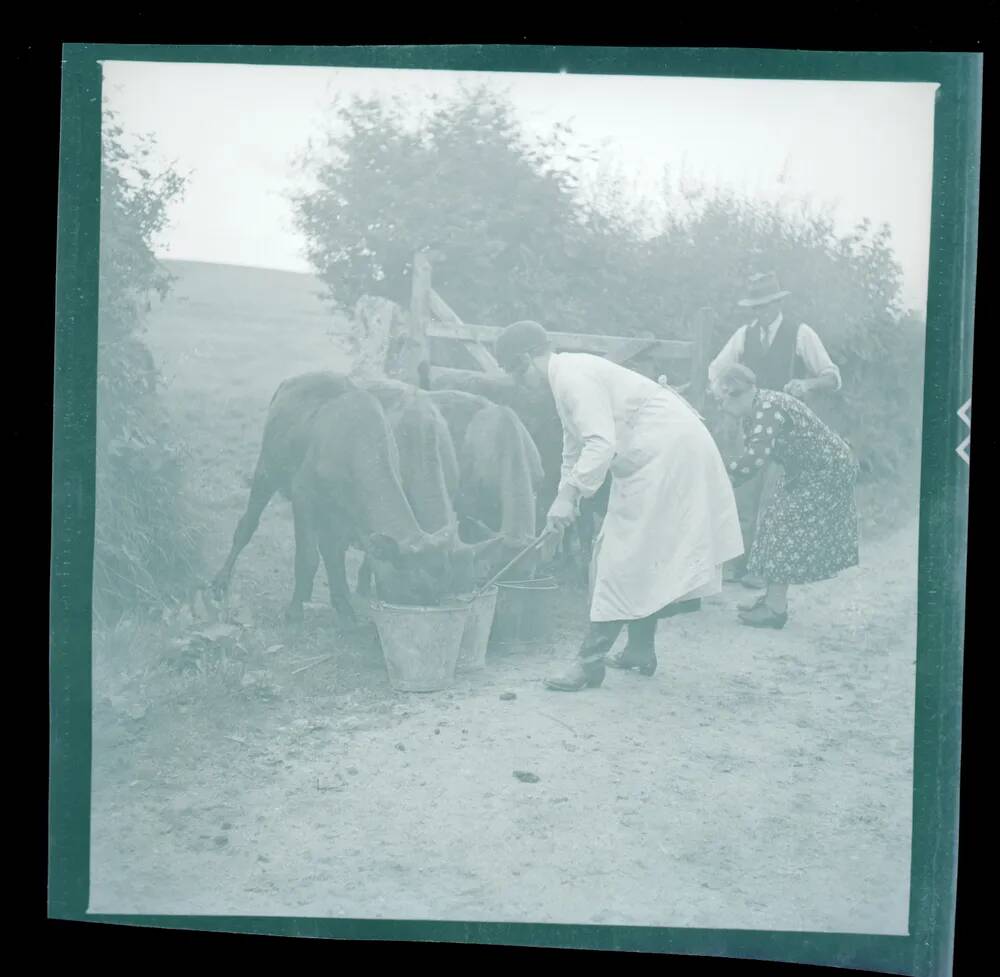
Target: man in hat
[671, 521]
[784, 355]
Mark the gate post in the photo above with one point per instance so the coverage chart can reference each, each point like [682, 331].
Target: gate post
[418, 349]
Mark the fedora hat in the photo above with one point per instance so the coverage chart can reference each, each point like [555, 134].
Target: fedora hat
[761, 289]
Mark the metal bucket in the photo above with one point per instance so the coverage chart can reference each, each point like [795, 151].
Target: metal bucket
[472, 654]
[420, 644]
[524, 610]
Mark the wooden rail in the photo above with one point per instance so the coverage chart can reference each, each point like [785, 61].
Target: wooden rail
[432, 318]
[617, 348]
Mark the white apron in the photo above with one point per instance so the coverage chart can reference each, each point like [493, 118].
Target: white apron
[672, 521]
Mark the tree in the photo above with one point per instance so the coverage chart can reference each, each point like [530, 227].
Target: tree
[523, 239]
[467, 180]
[144, 547]
[847, 287]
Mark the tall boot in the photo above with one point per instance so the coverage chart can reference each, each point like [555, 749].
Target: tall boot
[587, 669]
[640, 650]
[680, 607]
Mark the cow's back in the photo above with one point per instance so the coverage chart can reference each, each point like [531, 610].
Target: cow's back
[321, 385]
[290, 420]
[352, 465]
[535, 408]
[393, 395]
[498, 388]
[458, 409]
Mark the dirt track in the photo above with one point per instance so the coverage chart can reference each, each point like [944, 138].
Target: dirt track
[758, 780]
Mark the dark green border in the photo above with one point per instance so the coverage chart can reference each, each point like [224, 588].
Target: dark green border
[944, 489]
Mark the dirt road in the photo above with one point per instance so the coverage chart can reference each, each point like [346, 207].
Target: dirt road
[758, 780]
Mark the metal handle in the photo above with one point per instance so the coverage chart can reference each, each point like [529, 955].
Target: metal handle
[534, 544]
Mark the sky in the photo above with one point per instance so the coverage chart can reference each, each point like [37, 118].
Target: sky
[859, 149]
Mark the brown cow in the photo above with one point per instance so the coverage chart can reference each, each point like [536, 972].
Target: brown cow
[430, 471]
[499, 465]
[536, 410]
[287, 431]
[328, 446]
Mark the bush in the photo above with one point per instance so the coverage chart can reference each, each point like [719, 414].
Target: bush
[465, 179]
[523, 239]
[145, 546]
[846, 287]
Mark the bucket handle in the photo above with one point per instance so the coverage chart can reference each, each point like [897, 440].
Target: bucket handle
[534, 544]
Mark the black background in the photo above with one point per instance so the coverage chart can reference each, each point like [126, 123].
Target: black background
[33, 153]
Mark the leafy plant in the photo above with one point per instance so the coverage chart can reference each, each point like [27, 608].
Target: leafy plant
[145, 541]
[524, 239]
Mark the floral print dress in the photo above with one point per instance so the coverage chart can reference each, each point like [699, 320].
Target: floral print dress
[808, 530]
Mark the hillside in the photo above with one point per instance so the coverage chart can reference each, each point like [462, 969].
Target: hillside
[235, 329]
[262, 291]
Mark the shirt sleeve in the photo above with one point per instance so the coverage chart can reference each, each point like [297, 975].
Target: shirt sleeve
[572, 446]
[765, 424]
[810, 347]
[729, 355]
[589, 439]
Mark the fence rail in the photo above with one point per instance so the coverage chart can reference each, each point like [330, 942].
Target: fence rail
[431, 318]
[617, 348]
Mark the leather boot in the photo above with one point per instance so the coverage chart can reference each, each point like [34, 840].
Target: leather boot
[680, 607]
[587, 669]
[640, 651]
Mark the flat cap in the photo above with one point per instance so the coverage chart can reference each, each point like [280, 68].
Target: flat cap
[521, 337]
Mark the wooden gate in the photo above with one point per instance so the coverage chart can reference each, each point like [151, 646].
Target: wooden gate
[439, 336]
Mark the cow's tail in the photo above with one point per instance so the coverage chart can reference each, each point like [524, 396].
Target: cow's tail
[424, 375]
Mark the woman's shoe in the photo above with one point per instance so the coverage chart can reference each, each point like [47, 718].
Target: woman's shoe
[751, 604]
[578, 674]
[643, 661]
[763, 617]
[751, 582]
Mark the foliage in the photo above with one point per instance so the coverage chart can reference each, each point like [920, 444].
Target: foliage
[525, 239]
[144, 546]
[847, 287]
[467, 180]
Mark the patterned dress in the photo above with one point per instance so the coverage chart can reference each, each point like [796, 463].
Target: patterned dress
[808, 529]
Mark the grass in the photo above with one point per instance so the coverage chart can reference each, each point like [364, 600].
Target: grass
[223, 340]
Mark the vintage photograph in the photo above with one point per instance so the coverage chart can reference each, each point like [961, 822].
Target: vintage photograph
[507, 496]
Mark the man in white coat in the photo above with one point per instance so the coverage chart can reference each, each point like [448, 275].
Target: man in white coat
[671, 522]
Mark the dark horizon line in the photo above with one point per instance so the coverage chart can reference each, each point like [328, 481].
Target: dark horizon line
[233, 264]
[908, 307]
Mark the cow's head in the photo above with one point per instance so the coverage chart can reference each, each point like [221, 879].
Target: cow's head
[431, 568]
[411, 572]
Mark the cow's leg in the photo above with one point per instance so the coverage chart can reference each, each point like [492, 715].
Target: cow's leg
[364, 577]
[333, 546]
[261, 491]
[306, 555]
